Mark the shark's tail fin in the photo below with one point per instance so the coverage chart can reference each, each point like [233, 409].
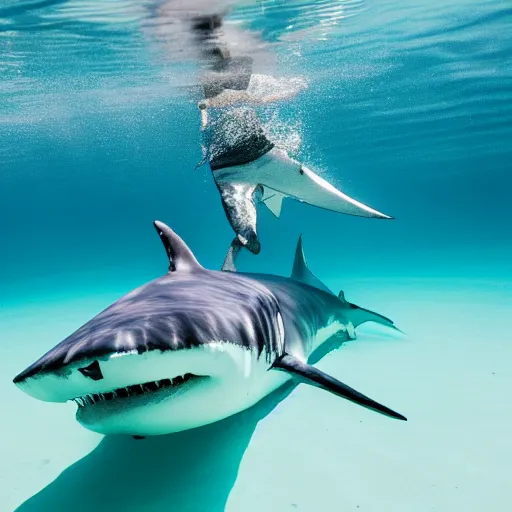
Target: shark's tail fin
[355, 315]
[358, 315]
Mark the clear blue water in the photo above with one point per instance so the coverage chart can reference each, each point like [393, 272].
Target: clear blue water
[408, 108]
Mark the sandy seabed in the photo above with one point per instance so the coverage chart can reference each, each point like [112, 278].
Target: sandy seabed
[302, 449]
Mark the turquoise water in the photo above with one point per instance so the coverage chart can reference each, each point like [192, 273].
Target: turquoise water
[408, 108]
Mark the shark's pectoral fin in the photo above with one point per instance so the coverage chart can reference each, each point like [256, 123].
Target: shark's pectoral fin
[315, 377]
[273, 200]
[319, 192]
[295, 180]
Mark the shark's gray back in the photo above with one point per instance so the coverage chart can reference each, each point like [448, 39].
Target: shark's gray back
[304, 308]
[176, 311]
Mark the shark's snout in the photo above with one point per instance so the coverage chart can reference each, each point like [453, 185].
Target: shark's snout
[117, 374]
[151, 392]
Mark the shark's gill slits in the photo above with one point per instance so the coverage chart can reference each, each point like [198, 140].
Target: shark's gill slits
[135, 390]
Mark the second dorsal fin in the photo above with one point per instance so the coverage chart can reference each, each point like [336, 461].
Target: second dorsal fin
[181, 258]
[302, 273]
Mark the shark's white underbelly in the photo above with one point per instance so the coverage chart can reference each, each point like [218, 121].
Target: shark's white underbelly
[237, 379]
[327, 332]
[322, 335]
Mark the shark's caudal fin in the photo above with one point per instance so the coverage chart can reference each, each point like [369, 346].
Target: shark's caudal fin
[229, 260]
[310, 375]
[301, 271]
[358, 315]
[181, 258]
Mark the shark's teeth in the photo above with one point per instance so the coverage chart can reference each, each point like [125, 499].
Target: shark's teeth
[135, 390]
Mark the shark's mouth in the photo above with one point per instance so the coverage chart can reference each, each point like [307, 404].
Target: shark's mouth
[163, 386]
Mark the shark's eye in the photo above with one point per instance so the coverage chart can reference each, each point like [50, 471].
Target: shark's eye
[93, 371]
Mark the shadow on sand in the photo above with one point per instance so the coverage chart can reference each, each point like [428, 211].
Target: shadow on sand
[189, 471]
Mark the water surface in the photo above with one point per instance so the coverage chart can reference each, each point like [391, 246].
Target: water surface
[408, 108]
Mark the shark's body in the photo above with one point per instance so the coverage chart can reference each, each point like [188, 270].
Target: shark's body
[269, 179]
[195, 346]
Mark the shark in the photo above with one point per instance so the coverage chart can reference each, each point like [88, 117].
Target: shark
[195, 346]
[249, 168]
[268, 180]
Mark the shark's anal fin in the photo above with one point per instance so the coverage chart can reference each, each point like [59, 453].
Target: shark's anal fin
[302, 273]
[315, 377]
[273, 200]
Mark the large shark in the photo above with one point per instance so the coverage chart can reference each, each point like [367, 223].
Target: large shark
[195, 346]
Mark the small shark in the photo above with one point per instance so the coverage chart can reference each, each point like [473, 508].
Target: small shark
[195, 346]
[269, 179]
[248, 168]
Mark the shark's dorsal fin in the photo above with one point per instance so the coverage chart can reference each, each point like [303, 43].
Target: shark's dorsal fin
[181, 258]
[302, 273]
